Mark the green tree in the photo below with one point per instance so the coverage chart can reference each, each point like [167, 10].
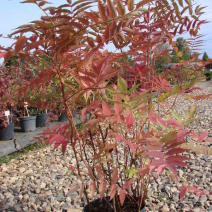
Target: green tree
[183, 48]
[161, 62]
[205, 57]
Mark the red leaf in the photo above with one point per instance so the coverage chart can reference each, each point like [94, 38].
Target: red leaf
[102, 11]
[105, 109]
[133, 147]
[127, 184]
[118, 109]
[114, 176]
[122, 196]
[152, 117]
[20, 43]
[194, 135]
[129, 119]
[74, 188]
[92, 189]
[83, 114]
[102, 187]
[183, 191]
[192, 189]
[119, 138]
[1, 54]
[58, 140]
[113, 191]
[64, 146]
[175, 123]
[72, 168]
[202, 137]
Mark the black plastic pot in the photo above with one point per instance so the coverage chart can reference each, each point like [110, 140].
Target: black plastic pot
[41, 119]
[28, 123]
[63, 117]
[105, 204]
[78, 118]
[7, 133]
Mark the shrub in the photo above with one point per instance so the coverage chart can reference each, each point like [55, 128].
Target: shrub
[126, 138]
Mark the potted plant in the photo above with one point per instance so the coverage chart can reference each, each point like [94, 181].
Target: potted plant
[27, 122]
[41, 119]
[62, 117]
[130, 133]
[6, 102]
[6, 127]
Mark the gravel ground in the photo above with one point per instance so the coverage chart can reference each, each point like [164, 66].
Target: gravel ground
[40, 180]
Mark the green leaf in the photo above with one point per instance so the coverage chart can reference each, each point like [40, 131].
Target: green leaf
[176, 116]
[169, 137]
[132, 172]
[122, 85]
[189, 115]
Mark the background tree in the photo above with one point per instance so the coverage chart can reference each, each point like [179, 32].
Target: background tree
[182, 51]
[163, 58]
[205, 57]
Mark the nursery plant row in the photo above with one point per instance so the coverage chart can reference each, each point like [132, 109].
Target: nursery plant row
[26, 123]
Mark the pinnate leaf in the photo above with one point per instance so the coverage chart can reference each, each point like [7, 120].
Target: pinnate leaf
[183, 191]
[1, 54]
[192, 189]
[102, 187]
[83, 114]
[20, 43]
[113, 191]
[202, 137]
[114, 176]
[122, 85]
[129, 119]
[130, 4]
[120, 7]
[122, 196]
[105, 109]
[111, 9]
[92, 189]
[101, 8]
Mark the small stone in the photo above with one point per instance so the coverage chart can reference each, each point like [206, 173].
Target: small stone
[48, 193]
[43, 185]
[20, 197]
[37, 190]
[12, 179]
[210, 197]
[60, 197]
[65, 190]
[172, 206]
[181, 173]
[33, 206]
[22, 170]
[203, 199]
[197, 209]
[165, 208]
[174, 189]
[26, 197]
[47, 208]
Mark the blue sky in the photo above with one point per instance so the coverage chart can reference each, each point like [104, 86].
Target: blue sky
[13, 14]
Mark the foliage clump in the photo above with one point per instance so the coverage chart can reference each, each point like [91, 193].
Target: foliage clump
[127, 137]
